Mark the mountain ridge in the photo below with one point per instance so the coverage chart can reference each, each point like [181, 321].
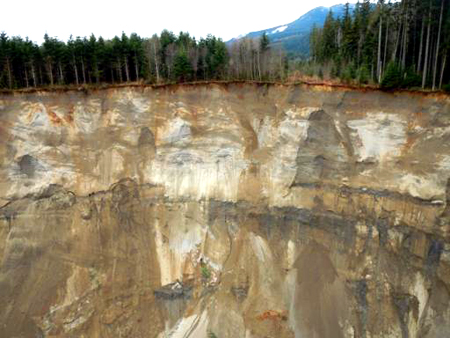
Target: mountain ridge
[294, 36]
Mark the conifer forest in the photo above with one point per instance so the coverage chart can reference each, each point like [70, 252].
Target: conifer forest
[395, 44]
[402, 44]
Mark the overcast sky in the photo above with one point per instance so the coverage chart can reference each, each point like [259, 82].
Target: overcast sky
[225, 19]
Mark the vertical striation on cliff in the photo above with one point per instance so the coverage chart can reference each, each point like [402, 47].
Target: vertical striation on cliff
[227, 210]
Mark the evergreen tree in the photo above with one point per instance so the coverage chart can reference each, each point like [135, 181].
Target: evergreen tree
[412, 36]
[182, 67]
[392, 77]
[328, 46]
[264, 43]
[410, 33]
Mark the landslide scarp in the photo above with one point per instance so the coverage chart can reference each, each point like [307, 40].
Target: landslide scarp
[238, 210]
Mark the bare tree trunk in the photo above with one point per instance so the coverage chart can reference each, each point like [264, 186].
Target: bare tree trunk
[419, 64]
[26, 76]
[136, 66]
[237, 64]
[61, 76]
[255, 66]
[425, 67]
[33, 74]
[405, 39]
[380, 31]
[386, 44]
[50, 72]
[397, 42]
[75, 70]
[83, 71]
[119, 69]
[281, 66]
[8, 66]
[437, 46]
[127, 73]
[251, 57]
[259, 64]
[195, 57]
[249, 62]
[431, 56]
[156, 62]
[40, 75]
[97, 73]
[444, 61]
[204, 67]
[414, 16]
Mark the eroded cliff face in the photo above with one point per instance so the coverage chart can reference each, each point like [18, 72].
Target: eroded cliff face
[224, 211]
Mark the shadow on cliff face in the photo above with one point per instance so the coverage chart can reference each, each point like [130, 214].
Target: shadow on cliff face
[173, 299]
[324, 148]
[146, 138]
[125, 198]
[28, 165]
[320, 295]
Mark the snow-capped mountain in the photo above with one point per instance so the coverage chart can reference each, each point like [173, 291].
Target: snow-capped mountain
[294, 36]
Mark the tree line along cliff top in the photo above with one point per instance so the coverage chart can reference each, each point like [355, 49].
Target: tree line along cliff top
[395, 45]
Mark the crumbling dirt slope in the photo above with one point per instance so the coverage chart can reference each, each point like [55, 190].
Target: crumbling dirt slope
[224, 210]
